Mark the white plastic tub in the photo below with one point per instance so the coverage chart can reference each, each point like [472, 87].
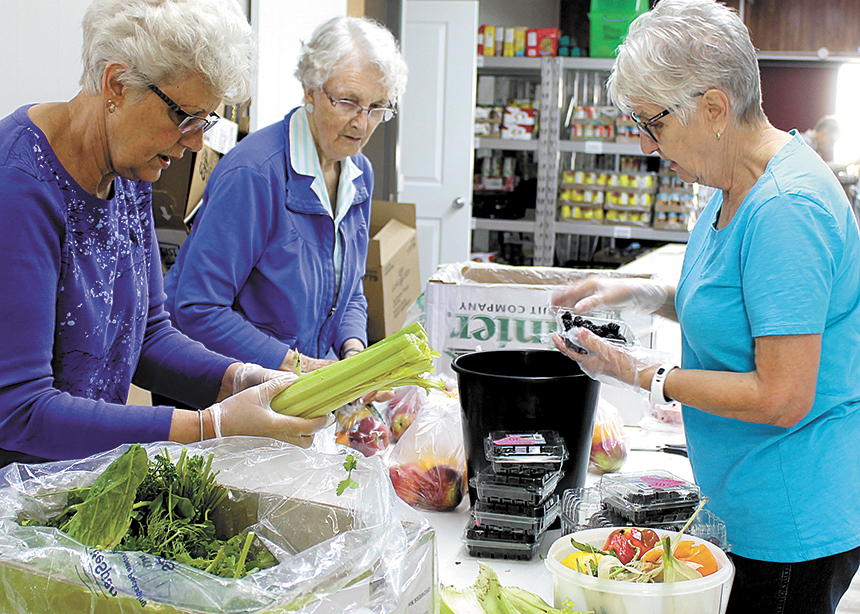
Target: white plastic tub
[707, 595]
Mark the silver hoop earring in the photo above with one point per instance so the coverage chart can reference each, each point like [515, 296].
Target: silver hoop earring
[309, 107]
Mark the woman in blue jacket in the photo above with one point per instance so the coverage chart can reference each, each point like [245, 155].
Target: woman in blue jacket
[275, 260]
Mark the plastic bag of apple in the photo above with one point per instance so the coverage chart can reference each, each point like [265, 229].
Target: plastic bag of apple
[608, 444]
[362, 428]
[428, 464]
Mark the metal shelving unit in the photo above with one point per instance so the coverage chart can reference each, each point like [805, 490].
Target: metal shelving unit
[549, 147]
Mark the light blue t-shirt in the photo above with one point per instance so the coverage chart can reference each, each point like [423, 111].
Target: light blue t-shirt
[787, 264]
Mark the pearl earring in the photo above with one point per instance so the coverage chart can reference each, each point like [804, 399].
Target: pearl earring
[111, 106]
[309, 107]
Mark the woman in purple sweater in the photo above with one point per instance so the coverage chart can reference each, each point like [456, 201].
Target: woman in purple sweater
[82, 309]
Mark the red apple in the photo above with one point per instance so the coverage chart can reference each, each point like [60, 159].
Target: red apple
[371, 436]
[407, 482]
[442, 488]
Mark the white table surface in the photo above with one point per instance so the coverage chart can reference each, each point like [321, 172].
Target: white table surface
[459, 569]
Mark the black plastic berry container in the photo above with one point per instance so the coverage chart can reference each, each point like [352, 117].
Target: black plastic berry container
[511, 488]
[495, 543]
[525, 452]
[649, 498]
[604, 325]
[531, 520]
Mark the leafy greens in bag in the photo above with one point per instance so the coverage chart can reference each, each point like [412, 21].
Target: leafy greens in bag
[161, 509]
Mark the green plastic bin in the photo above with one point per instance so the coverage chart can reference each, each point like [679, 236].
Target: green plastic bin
[609, 22]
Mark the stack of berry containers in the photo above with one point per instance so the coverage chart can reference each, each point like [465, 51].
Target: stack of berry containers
[516, 503]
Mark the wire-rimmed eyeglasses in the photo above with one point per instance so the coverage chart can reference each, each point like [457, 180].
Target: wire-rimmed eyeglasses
[348, 108]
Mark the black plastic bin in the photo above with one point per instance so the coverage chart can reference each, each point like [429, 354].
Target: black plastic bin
[526, 390]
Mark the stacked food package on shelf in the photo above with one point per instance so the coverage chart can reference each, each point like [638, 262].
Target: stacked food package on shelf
[675, 204]
[515, 502]
[607, 197]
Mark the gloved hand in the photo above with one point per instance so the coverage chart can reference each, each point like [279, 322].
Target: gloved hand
[634, 296]
[306, 363]
[249, 413]
[606, 362]
[249, 375]
[612, 363]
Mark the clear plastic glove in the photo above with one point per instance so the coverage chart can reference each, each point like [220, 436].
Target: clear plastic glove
[249, 413]
[249, 375]
[608, 362]
[632, 296]
[306, 363]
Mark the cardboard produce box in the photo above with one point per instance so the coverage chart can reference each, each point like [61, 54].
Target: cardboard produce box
[364, 548]
[392, 282]
[476, 305]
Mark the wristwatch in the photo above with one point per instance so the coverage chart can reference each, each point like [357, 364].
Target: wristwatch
[657, 396]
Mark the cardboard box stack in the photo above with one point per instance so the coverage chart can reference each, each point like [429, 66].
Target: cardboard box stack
[392, 280]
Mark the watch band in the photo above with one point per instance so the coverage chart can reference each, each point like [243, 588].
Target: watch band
[657, 396]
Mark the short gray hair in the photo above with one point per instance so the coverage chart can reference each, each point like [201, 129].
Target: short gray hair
[682, 48]
[169, 40]
[338, 38]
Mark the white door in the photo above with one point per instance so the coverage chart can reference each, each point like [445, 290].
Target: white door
[437, 126]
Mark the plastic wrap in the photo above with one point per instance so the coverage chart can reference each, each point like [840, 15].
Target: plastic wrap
[362, 551]
[428, 464]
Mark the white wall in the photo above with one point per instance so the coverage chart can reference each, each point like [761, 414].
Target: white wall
[40, 47]
[280, 27]
[40, 43]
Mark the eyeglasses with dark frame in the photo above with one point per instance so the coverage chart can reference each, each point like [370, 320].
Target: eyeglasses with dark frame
[187, 122]
[353, 109]
[644, 124]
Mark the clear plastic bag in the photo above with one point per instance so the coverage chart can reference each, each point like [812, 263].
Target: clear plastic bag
[400, 411]
[362, 427]
[362, 551]
[428, 464]
[608, 444]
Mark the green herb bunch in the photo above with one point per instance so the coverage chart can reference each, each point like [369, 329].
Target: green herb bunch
[161, 509]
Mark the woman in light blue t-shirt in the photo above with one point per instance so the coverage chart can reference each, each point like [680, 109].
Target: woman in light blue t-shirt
[769, 308]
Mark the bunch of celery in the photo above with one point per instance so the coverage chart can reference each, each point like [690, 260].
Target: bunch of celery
[488, 596]
[398, 360]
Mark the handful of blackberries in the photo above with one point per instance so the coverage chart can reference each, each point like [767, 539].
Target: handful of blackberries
[610, 330]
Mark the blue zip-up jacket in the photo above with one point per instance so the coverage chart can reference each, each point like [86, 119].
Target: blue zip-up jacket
[256, 278]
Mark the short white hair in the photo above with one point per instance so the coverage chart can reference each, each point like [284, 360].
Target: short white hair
[168, 40]
[339, 38]
[683, 48]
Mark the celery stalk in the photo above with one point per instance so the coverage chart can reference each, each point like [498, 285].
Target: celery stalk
[398, 360]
